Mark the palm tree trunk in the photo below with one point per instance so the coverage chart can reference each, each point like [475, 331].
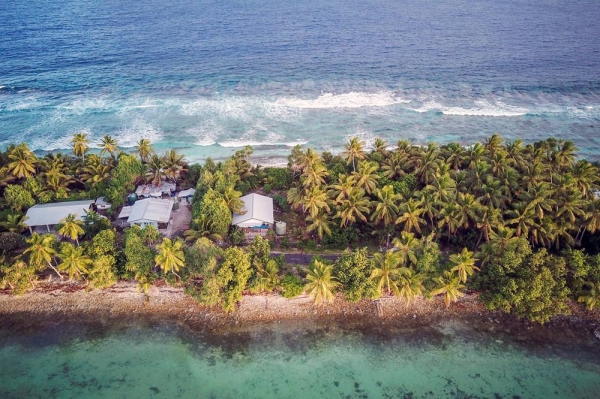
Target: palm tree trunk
[53, 268]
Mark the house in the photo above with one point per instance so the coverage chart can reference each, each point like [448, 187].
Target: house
[257, 217]
[148, 190]
[148, 212]
[187, 194]
[51, 214]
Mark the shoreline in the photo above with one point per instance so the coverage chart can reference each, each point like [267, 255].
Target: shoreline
[60, 304]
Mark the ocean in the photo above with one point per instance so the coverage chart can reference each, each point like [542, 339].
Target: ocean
[209, 77]
[448, 359]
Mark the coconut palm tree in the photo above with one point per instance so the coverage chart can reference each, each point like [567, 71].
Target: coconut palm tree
[366, 177]
[73, 261]
[41, 251]
[155, 170]
[109, 144]
[314, 176]
[22, 162]
[233, 201]
[170, 256]
[80, 144]
[448, 216]
[410, 216]
[72, 227]
[464, 264]
[341, 190]
[319, 224]
[267, 278]
[15, 222]
[396, 165]
[450, 286]
[315, 201]
[410, 285]
[321, 284]
[387, 269]
[95, 171]
[407, 246]
[385, 206]
[354, 150]
[174, 165]
[144, 149]
[353, 208]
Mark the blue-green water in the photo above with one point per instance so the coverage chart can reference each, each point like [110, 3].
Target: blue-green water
[289, 361]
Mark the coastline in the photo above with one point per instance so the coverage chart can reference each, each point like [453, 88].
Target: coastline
[69, 303]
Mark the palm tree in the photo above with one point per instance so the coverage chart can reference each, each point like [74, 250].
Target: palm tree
[320, 224]
[144, 149]
[155, 169]
[267, 278]
[41, 251]
[386, 209]
[174, 165]
[15, 222]
[58, 186]
[314, 176]
[341, 190]
[448, 216]
[410, 215]
[366, 177]
[354, 150]
[380, 146]
[80, 143]
[353, 208]
[450, 286]
[386, 271]
[109, 144]
[407, 247]
[203, 227]
[72, 227]
[395, 165]
[314, 202]
[410, 285]
[464, 264]
[591, 297]
[321, 283]
[523, 217]
[95, 171]
[233, 201]
[73, 261]
[170, 256]
[22, 162]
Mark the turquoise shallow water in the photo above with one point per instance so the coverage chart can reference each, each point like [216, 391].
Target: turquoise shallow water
[164, 361]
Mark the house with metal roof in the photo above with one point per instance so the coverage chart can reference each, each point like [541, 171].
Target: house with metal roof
[51, 214]
[148, 212]
[257, 216]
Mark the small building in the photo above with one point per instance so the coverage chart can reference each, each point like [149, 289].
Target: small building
[148, 190]
[257, 217]
[148, 212]
[51, 214]
[187, 194]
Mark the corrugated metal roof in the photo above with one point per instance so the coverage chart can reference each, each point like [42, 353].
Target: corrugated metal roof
[257, 207]
[53, 213]
[156, 210]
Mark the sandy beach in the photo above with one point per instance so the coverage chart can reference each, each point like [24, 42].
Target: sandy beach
[65, 302]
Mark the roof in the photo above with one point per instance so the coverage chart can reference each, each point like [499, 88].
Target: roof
[152, 209]
[259, 210]
[125, 212]
[187, 193]
[155, 191]
[53, 213]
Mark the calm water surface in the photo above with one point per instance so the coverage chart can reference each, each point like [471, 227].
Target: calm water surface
[448, 360]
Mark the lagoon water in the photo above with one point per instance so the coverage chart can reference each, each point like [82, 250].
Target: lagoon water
[209, 77]
[161, 360]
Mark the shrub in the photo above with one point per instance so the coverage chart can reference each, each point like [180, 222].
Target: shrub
[292, 286]
[10, 241]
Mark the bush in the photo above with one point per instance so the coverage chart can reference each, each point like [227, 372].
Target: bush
[267, 188]
[10, 241]
[292, 286]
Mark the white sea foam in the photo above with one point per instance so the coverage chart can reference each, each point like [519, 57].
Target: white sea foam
[480, 108]
[345, 100]
[138, 129]
[243, 143]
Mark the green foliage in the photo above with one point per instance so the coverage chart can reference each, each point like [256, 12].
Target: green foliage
[528, 284]
[103, 243]
[140, 257]
[232, 277]
[321, 284]
[18, 197]
[259, 252]
[214, 213]
[277, 178]
[129, 168]
[236, 235]
[19, 276]
[10, 241]
[281, 202]
[341, 238]
[103, 272]
[353, 270]
[292, 286]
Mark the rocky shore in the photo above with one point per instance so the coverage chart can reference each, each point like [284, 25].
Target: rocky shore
[63, 303]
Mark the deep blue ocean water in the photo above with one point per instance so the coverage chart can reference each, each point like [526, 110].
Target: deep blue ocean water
[208, 77]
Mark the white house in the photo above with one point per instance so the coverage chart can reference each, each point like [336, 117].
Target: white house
[257, 217]
[148, 212]
[51, 214]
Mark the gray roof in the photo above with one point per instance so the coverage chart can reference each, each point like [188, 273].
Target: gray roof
[152, 209]
[259, 210]
[53, 213]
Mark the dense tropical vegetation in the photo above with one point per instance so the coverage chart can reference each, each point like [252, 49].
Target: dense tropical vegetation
[517, 222]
